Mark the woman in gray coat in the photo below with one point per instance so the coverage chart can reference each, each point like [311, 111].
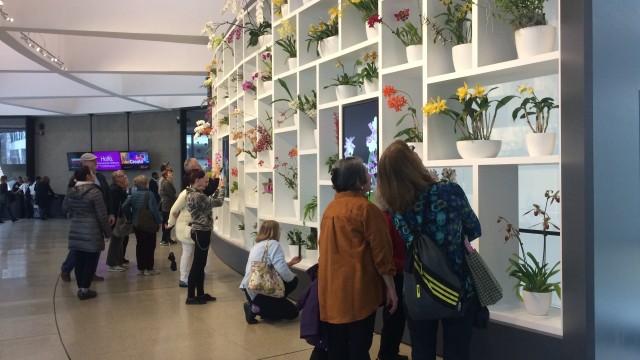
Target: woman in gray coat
[89, 228]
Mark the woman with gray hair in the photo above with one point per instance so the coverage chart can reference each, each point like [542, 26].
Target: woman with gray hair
[145, 241]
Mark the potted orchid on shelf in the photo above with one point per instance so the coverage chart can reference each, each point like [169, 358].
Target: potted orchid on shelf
[369, 72]
[409, 34]
[287, 42]
[533, 35]
[325, 34]
[540, 142]
[259, 31]
[281, 8]
[397, 100]
[289, 173]
[474, 121]
[369, 13]
[346, 85]
[455, 28]
[296, 242]
[265, 75]
[533, 285]
[307, 104]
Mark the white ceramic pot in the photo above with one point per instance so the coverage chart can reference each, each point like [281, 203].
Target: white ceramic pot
[311, 255]
[372, 32]
[316, 137]
[414, 53]
[264, 40]
[294, 249]
[296, 208]
[537, 304]
[345, 91]
[540, 144]
[370, 86]
[417, 148]
[284, 9]
[292, 62]
[478, 149]
[267, 86]
[535, 40]
[328, 46]
[461, 55]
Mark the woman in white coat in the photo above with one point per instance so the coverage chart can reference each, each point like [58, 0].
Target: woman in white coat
[180, 220]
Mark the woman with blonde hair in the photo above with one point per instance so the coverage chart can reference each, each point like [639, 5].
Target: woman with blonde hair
[267, 307]
[420, 205]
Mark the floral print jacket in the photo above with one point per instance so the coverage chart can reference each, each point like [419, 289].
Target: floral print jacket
[444, 214]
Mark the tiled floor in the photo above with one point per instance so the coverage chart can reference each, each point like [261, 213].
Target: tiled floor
[133, 317]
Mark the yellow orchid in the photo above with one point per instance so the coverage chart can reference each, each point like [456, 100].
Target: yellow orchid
[335, 12]
[279, 2]
[478, 91]
[338, 64]
[434, 106]
[356, 1]
[462, 92]
[522, 88]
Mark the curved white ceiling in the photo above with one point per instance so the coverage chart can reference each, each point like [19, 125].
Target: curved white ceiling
[121, 55]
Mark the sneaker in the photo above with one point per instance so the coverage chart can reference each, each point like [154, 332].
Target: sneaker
[65, 276]
[140, 272]
[248, 314]
[89, 294]
[207, 297]
[125, 266]
[125, 261]
[163, 243]
[173, 242]
[116, 269]
[183, 284]
[97, 277]
[151, 272]
[195, 301]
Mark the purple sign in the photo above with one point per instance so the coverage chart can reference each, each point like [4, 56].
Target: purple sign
[108, 160]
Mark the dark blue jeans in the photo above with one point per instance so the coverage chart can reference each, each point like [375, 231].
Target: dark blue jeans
[456, 333]
[70, 262]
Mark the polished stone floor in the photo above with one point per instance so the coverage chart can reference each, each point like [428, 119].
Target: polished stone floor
[133, 317]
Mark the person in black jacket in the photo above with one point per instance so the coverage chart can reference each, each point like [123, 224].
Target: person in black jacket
[88, 159]
[88, 230]
[6, 197]
[44, 196]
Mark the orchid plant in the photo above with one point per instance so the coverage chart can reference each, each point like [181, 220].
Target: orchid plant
[408, 33]
[324, 29]
[531, 105]
[289, 170]
[397, 100]
[287, 40]
[456, 25]
[304, 103]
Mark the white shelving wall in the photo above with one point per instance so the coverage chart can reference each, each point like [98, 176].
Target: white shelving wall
[506, 185]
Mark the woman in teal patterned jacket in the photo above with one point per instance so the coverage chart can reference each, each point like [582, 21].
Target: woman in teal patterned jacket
[441, 211]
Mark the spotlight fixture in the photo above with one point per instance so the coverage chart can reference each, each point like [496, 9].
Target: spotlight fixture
[4, 14]
[41, 50]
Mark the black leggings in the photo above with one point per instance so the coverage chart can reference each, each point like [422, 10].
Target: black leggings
[200, 254]
[351, 340]
[86, 265]
[272, 308]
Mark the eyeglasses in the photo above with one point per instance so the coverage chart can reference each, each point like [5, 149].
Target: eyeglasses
[413, 148]
[121, 176]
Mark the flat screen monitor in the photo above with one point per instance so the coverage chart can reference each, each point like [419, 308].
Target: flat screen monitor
[107, 160]
[360, 134]
[225, 162]
[73, 160]
[134, 160]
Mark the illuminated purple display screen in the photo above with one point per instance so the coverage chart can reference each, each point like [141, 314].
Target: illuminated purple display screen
[134, 160]
[108, 160]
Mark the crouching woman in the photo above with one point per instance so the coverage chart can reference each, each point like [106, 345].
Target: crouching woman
[270, 308]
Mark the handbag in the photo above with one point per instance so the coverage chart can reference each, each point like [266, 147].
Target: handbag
[264, 279]
[145, 221]
[488, 289]
[123, 227]
[431, 289]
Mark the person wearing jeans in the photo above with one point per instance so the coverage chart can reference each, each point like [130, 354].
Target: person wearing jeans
[199, 206]
[168, 198]
[118, 191]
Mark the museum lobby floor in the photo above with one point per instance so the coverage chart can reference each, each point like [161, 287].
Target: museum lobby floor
[133, 317]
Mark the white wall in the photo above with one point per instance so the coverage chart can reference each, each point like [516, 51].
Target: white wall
[156, 132]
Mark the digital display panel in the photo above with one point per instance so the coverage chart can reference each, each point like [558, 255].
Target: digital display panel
[107, 160]
[360, 134]
[134, 160]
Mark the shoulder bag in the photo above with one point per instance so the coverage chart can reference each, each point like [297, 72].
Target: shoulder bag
[488, 289]
[264, 279]
[431, 289]
[123, 226]
[145, 220]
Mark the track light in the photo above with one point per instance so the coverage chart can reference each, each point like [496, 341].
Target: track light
[4, 14]
[41, 50]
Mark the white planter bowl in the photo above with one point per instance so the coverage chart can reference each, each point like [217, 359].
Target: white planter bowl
[370, 86]
[535, 40]
[461, 56]
[345, 91]
[292, 62]
[540, 144]
[537, 304]
[264, 40]
[372, 32]
[478, 149]
[284, 9]
[414, 53]
[328, 46]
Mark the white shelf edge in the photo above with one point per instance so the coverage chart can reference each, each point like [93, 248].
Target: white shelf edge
[350, 100]
[515, 315]
[285, 129]
[325, 182]
[401, 67]
[507, 67]
[520, 160]
[308, 152]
